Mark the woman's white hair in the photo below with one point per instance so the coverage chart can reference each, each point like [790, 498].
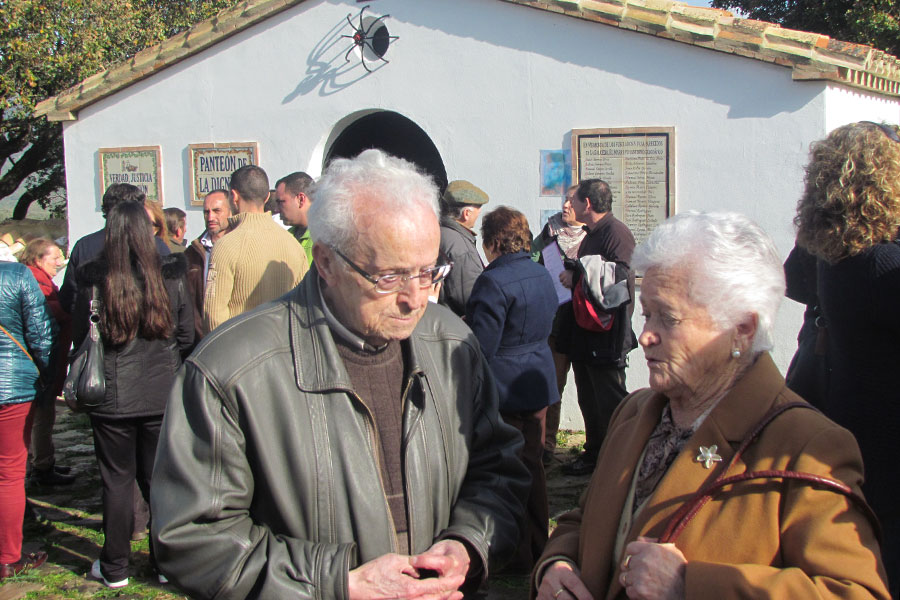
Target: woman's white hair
[733, 267]
[374, 178]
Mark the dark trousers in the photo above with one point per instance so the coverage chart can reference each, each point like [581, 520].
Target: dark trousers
[125, 449]
[600, 389]
[562, 363]
[533, 537]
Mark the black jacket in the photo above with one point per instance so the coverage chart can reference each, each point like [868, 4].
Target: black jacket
[88, 247]
[612, 240]
[139, 374]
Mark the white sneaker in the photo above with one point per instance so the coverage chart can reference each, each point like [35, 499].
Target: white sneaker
[97, 574]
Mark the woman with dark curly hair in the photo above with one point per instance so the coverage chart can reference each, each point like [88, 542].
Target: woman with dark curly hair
[849, 218]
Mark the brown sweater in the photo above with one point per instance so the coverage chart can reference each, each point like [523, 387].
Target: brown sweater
[255, 263]
[377, 379]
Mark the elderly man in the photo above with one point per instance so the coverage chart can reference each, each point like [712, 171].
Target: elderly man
[460, 206]
[344, 440]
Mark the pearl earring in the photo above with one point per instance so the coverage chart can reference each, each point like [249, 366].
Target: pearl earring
[735, 353]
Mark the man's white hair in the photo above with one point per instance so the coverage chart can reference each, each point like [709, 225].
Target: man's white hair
[372, 178]
[733, 267]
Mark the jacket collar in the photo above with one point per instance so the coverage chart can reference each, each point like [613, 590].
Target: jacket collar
[317, 363]
[241, 218]
[504, 259]
[455, 225]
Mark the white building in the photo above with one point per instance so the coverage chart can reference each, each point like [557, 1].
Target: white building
[475, 88]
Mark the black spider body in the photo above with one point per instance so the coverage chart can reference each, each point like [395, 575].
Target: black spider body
[373, 37]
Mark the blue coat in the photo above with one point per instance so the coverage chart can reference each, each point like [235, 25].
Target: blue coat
[25, 315]
[511, 311]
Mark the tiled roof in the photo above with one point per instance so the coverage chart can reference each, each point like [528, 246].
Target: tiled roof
[808, 55]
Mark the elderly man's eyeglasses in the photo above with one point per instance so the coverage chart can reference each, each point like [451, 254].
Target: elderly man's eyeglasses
[394, 282]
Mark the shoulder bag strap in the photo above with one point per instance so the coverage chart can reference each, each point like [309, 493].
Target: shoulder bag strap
[18, 343]
[689, 509]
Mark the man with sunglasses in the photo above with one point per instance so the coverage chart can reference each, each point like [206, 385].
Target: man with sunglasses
[343, 441]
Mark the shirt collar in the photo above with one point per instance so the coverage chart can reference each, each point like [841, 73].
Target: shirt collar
[341, 331]
[206, 240]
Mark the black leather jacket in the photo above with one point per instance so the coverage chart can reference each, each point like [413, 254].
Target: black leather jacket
[267, 483]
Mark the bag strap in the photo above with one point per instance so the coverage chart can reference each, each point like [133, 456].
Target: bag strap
[689, 509]
[18, 343]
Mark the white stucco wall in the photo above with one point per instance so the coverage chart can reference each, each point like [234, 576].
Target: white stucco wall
[491, 83]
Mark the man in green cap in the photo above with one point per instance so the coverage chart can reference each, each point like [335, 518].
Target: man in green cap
[460, 206]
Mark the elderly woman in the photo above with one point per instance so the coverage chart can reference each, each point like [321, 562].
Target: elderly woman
[511, 310]
[45, 259]
[849, 218]
[712, 285]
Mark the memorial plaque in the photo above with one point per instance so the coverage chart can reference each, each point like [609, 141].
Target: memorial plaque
[212, 165]
[141, 166]
[638, 163]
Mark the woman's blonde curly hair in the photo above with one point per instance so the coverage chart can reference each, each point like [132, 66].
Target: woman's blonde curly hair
[851, 201]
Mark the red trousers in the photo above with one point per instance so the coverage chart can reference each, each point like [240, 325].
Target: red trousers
[15, 433]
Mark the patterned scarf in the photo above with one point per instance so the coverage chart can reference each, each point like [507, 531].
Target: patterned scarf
[665, 443]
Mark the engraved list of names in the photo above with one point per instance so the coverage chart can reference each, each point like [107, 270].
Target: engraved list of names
[638, 164]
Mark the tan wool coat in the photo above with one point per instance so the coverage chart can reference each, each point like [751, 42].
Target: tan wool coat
[756, 539]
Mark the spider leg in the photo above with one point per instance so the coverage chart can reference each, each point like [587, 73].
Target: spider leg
[360, 28]
[347, 55]
[374, 23]
[349, 22]
[372, 48]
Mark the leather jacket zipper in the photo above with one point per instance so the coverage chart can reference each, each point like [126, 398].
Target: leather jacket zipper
[373, 441]
[409, 520]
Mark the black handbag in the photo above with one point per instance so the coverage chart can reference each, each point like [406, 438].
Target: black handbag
[85, 386]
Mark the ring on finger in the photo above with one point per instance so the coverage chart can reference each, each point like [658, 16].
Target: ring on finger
[622, 580]
[558, 592]
[626, 562]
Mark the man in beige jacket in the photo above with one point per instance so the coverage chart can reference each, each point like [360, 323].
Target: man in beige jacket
[257, 261]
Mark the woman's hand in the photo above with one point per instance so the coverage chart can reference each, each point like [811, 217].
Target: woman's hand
[653, 571]
[562, 581]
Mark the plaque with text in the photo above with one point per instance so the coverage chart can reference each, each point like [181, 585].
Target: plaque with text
[212, 165]
[140, 166]
[638, 163]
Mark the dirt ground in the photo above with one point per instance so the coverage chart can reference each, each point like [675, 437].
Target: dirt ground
[70, 529]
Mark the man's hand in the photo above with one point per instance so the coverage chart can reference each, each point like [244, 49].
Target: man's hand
[562, 581]
[396, 576]
[448, 558]
[565, 278]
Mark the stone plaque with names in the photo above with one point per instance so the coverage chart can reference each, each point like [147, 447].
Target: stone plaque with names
[638, 163]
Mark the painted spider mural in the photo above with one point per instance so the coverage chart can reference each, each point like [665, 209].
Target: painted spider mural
[370, 37]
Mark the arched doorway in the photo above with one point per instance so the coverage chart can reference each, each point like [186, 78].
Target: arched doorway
[395, 134]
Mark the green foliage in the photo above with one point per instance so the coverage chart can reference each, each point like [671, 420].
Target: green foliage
[872, 22]
[47, 46]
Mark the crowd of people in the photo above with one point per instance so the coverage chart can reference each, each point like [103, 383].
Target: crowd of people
[344, 400]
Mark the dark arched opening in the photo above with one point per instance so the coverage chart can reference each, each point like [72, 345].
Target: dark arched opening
[395, 134]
